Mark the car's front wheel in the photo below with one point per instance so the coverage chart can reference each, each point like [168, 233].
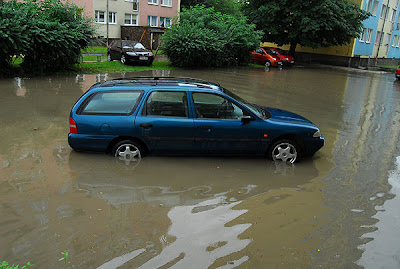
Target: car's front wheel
[285, 150]
[267, 64]
[123, 59]
[127, 151]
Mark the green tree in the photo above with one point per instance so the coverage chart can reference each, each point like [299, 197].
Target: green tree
[311, 23]
[206, 38]
[48, 35]
[232, 7]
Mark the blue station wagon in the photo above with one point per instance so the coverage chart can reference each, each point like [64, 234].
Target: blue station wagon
[131, 117]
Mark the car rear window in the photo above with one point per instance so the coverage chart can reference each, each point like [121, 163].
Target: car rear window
[112, 103]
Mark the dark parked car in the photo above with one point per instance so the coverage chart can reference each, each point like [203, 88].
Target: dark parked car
[130, 117]
[128, 51]
[265, 57]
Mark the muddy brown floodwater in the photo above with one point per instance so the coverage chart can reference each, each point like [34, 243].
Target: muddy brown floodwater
[339, 209]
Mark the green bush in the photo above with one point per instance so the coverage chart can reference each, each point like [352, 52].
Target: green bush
[206, 38]
[48, 35]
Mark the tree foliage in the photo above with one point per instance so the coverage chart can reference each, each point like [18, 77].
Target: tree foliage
[47, 34]
[311, 23]
[206, 38]
[232, 7]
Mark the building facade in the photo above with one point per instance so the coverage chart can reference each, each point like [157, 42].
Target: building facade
[380, 37]
[157, 13]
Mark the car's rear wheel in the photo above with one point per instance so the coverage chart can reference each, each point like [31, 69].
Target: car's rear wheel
[267, 64]
[285, 150]
[123, 59]
[127, 151]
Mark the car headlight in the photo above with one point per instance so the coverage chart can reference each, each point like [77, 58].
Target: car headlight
[131, 53]
[151, 54]
[274, 59]
[317, 134]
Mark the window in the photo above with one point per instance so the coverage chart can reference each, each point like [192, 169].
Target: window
[212, 106]
[363, 34]
[167, 104]
[152, 2]
[394, 41]
[152, 21]
[369, 35]
[135, 4]
[393, 15]
[130, 19]
[112, 17]
[387, 40]
[116, 102]
[167, 3]
[378, 38]
[369, 6]
[165, 22]
[383, 12]
[99, 16]
[375, 8]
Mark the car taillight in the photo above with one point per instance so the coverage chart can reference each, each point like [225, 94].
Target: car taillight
[72, 126]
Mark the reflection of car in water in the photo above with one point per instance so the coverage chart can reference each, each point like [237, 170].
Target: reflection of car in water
[128, 51]
[134, 116]
[184, 180]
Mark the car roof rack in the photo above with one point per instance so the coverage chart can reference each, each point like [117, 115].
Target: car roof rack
[178, 81]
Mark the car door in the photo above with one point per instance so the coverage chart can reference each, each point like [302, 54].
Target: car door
[219, 126]
[259, 55]
[164, 122]
[116, 50]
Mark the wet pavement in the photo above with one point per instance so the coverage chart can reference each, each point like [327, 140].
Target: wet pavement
[339, 209]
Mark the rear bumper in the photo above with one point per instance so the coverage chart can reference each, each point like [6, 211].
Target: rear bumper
[83, 142]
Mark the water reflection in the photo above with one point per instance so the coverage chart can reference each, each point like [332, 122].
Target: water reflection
[384, 249]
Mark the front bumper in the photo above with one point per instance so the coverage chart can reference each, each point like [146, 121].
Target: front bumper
[312, 145]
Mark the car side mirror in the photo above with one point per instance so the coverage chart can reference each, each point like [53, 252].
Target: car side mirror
[246, 119]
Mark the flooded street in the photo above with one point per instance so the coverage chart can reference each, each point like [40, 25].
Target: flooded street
[339, 209]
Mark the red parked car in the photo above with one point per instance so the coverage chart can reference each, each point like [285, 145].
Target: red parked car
[286, 59]
[266, 57]
[398, 73]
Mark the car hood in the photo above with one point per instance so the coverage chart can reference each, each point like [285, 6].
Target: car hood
[287, 117]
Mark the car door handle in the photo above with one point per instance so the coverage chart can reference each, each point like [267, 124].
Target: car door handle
[206, 127]
[146, 125]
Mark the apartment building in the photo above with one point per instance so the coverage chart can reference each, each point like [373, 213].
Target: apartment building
[380, 37]
[156, 13]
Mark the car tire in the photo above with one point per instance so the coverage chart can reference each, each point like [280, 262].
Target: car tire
[123, 59]
[267, 64]
[127, 149]
[285, 150]
[109, 57]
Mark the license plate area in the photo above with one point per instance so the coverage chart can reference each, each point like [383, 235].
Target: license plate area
[143, 58]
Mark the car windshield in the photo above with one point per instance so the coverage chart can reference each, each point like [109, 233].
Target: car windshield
[280, 51]
[128, 44]
[270, 52]
[252, 107]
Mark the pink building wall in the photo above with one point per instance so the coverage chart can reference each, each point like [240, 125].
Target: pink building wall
[146, 9]
[87, 6]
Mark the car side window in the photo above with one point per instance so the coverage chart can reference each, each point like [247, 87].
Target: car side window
[167, 104]
[213, 106]
[259, 51]
[111, 103]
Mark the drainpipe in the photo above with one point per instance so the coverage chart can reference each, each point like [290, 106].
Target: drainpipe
[107, 17]
[383, 27]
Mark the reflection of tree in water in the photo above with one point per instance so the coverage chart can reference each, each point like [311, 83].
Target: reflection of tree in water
[201, 237]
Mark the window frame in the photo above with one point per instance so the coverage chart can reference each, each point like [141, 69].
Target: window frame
[363, 35]
[97, 16]
[152, 2]
[164, 22]
[368, 38]
[378, 38]
[169, 4]
[149, 21]
[81, 108]
[144, 108]
[113, 16]
[383, 10]
[131, 16]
